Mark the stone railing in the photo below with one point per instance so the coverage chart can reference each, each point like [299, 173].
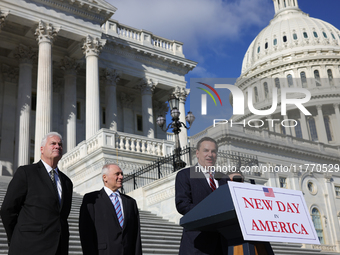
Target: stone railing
[324, 247]
[109, 139]
[143, 37]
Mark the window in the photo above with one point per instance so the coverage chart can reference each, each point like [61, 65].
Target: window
[317, 78]
[324, 34]
[290, 80]
[283, 130]
[305, 35]
[139, 123]
[284, 1]
[284, 38]
[283, 182]
[295, 36]
[103, 115]
[298, 132]
[258, 49]
[311, 187]
[34, 101]
[303, 79]
[333, 36]
[275, 41]
[312, 129]
[316, 218]
[78, 111]
[337, 191]
[266, 45]
[277, 83]
[330, 77]
[265, 88]
[328, 128]
[315, 34]
[256, 95]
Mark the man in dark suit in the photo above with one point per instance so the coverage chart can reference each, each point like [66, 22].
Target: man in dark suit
[36, 207]
[109, 221]
[192, 186]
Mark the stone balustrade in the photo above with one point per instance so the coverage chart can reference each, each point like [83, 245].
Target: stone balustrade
[113, 140]
[143, 37]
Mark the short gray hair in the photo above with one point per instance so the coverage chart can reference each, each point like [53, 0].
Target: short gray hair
[105, 168]
[50, 134]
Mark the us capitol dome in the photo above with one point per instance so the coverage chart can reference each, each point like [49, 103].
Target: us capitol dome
[294, 51]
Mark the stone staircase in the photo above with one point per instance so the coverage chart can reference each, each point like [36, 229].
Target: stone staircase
[159, 236]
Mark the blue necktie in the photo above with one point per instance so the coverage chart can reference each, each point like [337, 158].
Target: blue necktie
[116, 204]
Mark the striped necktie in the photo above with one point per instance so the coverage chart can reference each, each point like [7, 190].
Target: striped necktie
[52, 175]
[212, 182]
[116, 204]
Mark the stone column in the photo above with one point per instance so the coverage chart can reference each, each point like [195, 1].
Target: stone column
[22, 151]
[7, 153]
[320, 123]
[70, 67]
[111, 79]
[43, 122]
[91, 49]
[270, 123]
[182, 93]
[147, 86]
[303, 124]
[126, 103]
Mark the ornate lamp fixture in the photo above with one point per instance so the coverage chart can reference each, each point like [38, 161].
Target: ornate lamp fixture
[176, 125]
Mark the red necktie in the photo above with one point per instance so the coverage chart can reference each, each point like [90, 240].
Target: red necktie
[212, 182]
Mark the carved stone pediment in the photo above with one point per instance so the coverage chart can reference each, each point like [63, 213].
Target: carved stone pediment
[96, 11]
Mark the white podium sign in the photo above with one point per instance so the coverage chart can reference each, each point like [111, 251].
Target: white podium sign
[272, 214]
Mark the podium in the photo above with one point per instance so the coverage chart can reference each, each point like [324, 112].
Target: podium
[216, 213]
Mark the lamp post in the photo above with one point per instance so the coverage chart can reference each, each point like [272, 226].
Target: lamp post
[176, 125]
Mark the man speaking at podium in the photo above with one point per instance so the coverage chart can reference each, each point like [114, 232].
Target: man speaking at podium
[192, 185]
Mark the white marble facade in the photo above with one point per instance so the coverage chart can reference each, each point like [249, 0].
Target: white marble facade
[66, 66]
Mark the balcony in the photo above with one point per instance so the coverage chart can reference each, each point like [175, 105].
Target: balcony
[83, 163]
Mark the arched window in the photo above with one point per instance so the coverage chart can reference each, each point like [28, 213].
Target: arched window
[258, 49]
[333, 36]
[305, 35]
[284, 38]
[275, 41]
[256, 95]
[290, 80]
[266, 45]
[329, 132]
[295, 36]
[316, 218]
[315, 34]
[298, 131]
[324, 34]
[317, 78]
[265, 89]
[277, 83]
[312, 129]
[303, 79]
[330, 77]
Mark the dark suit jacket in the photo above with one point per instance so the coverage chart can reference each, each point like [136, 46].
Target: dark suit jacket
[190, 189]
[100, 232]
[35, 223]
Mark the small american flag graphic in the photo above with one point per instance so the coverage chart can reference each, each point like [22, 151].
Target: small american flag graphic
[268, 192]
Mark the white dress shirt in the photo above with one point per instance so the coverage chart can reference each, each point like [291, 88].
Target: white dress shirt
[56, 177]
[109, 192]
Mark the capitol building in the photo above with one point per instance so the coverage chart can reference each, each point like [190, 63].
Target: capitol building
[68, 66]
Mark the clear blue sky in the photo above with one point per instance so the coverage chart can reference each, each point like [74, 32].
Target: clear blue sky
[215, 33]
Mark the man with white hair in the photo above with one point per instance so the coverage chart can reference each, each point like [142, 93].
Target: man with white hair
[37, 204]
[109, 221]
